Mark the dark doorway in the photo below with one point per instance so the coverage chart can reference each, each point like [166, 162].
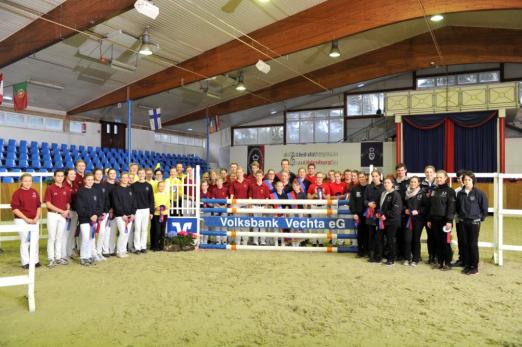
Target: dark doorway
[113, 135]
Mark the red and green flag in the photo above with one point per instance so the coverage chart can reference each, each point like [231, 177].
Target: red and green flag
[20, 96]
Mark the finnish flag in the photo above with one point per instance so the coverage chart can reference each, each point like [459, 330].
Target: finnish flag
[155, 119]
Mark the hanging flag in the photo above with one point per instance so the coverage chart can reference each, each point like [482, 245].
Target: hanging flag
[1, 88]
[155, 119]
[217, 126]
[20, 96]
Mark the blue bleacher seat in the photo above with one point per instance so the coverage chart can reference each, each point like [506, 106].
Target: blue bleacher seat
[8, 180]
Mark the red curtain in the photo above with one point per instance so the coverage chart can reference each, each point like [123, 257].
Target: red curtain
[449, 146]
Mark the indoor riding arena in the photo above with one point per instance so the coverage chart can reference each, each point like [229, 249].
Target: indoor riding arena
[260, 173]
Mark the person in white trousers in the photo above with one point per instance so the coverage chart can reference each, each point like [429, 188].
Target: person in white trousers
[69, 236]
[25, 204]
[58, 201]
[144, 197]
[109, 240]
[97, 246]
[124, 208]
[89, 207]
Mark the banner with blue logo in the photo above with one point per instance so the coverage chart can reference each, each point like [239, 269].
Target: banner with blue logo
[177, 224]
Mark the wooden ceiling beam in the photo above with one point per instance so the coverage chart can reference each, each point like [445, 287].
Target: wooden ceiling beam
[459, 45]
[39, 34]
[329, 20]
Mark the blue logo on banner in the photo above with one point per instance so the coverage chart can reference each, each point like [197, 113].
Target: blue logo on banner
[177, 224]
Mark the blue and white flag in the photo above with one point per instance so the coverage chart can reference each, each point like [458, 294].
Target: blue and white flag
[155, 119]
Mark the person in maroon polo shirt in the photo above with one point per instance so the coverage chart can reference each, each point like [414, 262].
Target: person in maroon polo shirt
[259, 190]
[25, 204]
[238, 189]
[310, 176]
[58, 202]
[254, 167]
[319, 191]
[80, 166]
[220, 192]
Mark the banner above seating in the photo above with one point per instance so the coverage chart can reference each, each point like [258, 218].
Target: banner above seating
[453, 141]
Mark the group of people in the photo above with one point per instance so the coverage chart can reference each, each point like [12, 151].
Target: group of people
[97, 215]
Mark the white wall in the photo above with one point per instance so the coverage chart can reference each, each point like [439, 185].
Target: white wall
[144, 140]
[141, 139]
[513, 157]
[90, 138]
[338, 156]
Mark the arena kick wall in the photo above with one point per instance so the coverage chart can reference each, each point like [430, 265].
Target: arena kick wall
[348, 155]
[327, 156]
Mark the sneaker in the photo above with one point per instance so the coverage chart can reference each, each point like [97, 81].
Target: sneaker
[62, 261]
[51, 263]
[101, 257]
[406, 263]
[389, 263]
[371, 260]
[92, 261]
[446, 268]
[136, 252]
[473, 271]
[413, 264]
[458, 263]
[26, 266]
[37, 264]
[85, 262]
[106, 255]
[143, 251]
[123, 255]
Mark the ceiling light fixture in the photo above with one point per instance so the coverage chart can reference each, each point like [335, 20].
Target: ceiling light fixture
[360, 85]
[240, 86]
[146, 44]
[335, 52]
[146, 8]
[437, 18]
[264, 1]
[189, 129]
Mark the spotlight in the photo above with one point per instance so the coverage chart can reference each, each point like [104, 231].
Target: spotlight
[240, 86]
[146, 44]
[437, 18]
[334, 51]
[146, 8]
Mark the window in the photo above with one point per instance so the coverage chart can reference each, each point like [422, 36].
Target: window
[458, 79]
[76, 127]
[15, 119]
[269, 135]
[35, 123]
[365, 104]
[53, 124]
[316, 126]
[520, 93]
[179, 139]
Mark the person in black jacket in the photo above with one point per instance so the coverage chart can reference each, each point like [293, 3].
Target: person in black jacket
[102, 187]
[472, 208]
[401, 185]
[124, 208]
[440, 218]
[356, 204]
[415, 206]
[428, 185]
[372, 195]
[458, 224]
[89, 206]
[144, 197]
[389, 215]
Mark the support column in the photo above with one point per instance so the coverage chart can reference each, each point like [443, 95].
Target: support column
[502, 139]
[129, 130]
[398, 139]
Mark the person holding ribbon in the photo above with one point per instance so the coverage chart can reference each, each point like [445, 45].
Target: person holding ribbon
[124, 209]
[297, 194]
[389, 220]
[440, 219]
[472, 207]
[428, 185]
[103, 189]
[302, 180]
[372, 195]
[69, 237]
[220, 192]
[416, 204]
[58, 201]
[159, 220]
[89, 206]
[144, 197]
[25, 204]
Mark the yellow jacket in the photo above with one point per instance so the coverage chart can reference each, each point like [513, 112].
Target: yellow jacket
[161, 199]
